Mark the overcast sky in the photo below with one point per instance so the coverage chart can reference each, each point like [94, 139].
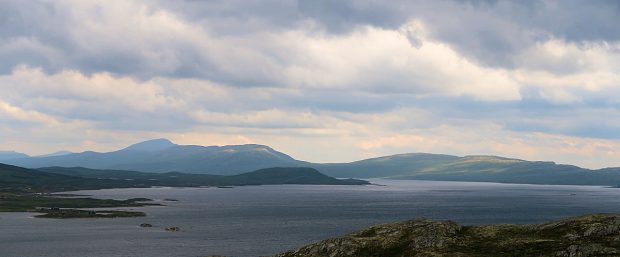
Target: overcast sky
[325, 81]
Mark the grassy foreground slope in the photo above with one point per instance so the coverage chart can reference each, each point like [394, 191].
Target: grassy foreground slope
[586, 236]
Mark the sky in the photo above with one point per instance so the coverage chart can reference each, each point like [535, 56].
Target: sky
[323, 81]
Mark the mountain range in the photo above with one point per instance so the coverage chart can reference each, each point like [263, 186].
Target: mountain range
[161, 155]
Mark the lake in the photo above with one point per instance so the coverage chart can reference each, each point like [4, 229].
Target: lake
[264, 220]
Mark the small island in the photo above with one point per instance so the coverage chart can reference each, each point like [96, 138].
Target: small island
[69, 207]
[76, 213]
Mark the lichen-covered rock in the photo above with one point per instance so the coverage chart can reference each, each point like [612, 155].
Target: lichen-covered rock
[588, 250]
[586, 236]
[173, 229]
[384, 240]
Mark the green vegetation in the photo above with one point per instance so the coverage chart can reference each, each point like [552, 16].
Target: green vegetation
[23, 190]
[64, 207]
[58, 179]
[593, 235]
[17, 179]
[274, 176]
[504, 170]
[387, 166]
[32, 202]
[269, 176]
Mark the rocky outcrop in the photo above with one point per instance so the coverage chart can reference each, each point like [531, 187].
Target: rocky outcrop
[173, 229]
[586, 236]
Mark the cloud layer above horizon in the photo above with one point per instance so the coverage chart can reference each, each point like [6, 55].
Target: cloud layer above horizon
[325, 81]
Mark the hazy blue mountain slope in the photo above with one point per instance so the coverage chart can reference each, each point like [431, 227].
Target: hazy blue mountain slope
[9, 155]
[59, 153]
[163, 156]
[151, 145]
[86, 159]
[211, 160]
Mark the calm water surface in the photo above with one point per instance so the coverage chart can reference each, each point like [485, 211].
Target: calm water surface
[264, 220]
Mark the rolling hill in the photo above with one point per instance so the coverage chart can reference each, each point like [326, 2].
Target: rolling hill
[387, 166]
[473, 168]
[505, 170]
[268, 176]
[17, 179]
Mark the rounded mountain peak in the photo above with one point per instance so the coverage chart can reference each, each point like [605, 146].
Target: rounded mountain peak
[151, 145]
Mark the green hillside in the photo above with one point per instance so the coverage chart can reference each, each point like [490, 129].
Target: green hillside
[269, 176]
[290, 176]
[472, 168]
[387, 166]
[17, 179]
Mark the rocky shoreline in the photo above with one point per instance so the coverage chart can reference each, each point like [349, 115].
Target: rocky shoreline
[585, 236]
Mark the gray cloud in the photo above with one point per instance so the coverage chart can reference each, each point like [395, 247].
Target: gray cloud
[491, 31]
[356, 71]
[43, 34]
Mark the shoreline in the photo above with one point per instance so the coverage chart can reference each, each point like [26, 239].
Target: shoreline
[63, 207]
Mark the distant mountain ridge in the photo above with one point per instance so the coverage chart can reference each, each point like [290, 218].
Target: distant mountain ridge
[10, 155]
[162, 155]
[59, 153]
